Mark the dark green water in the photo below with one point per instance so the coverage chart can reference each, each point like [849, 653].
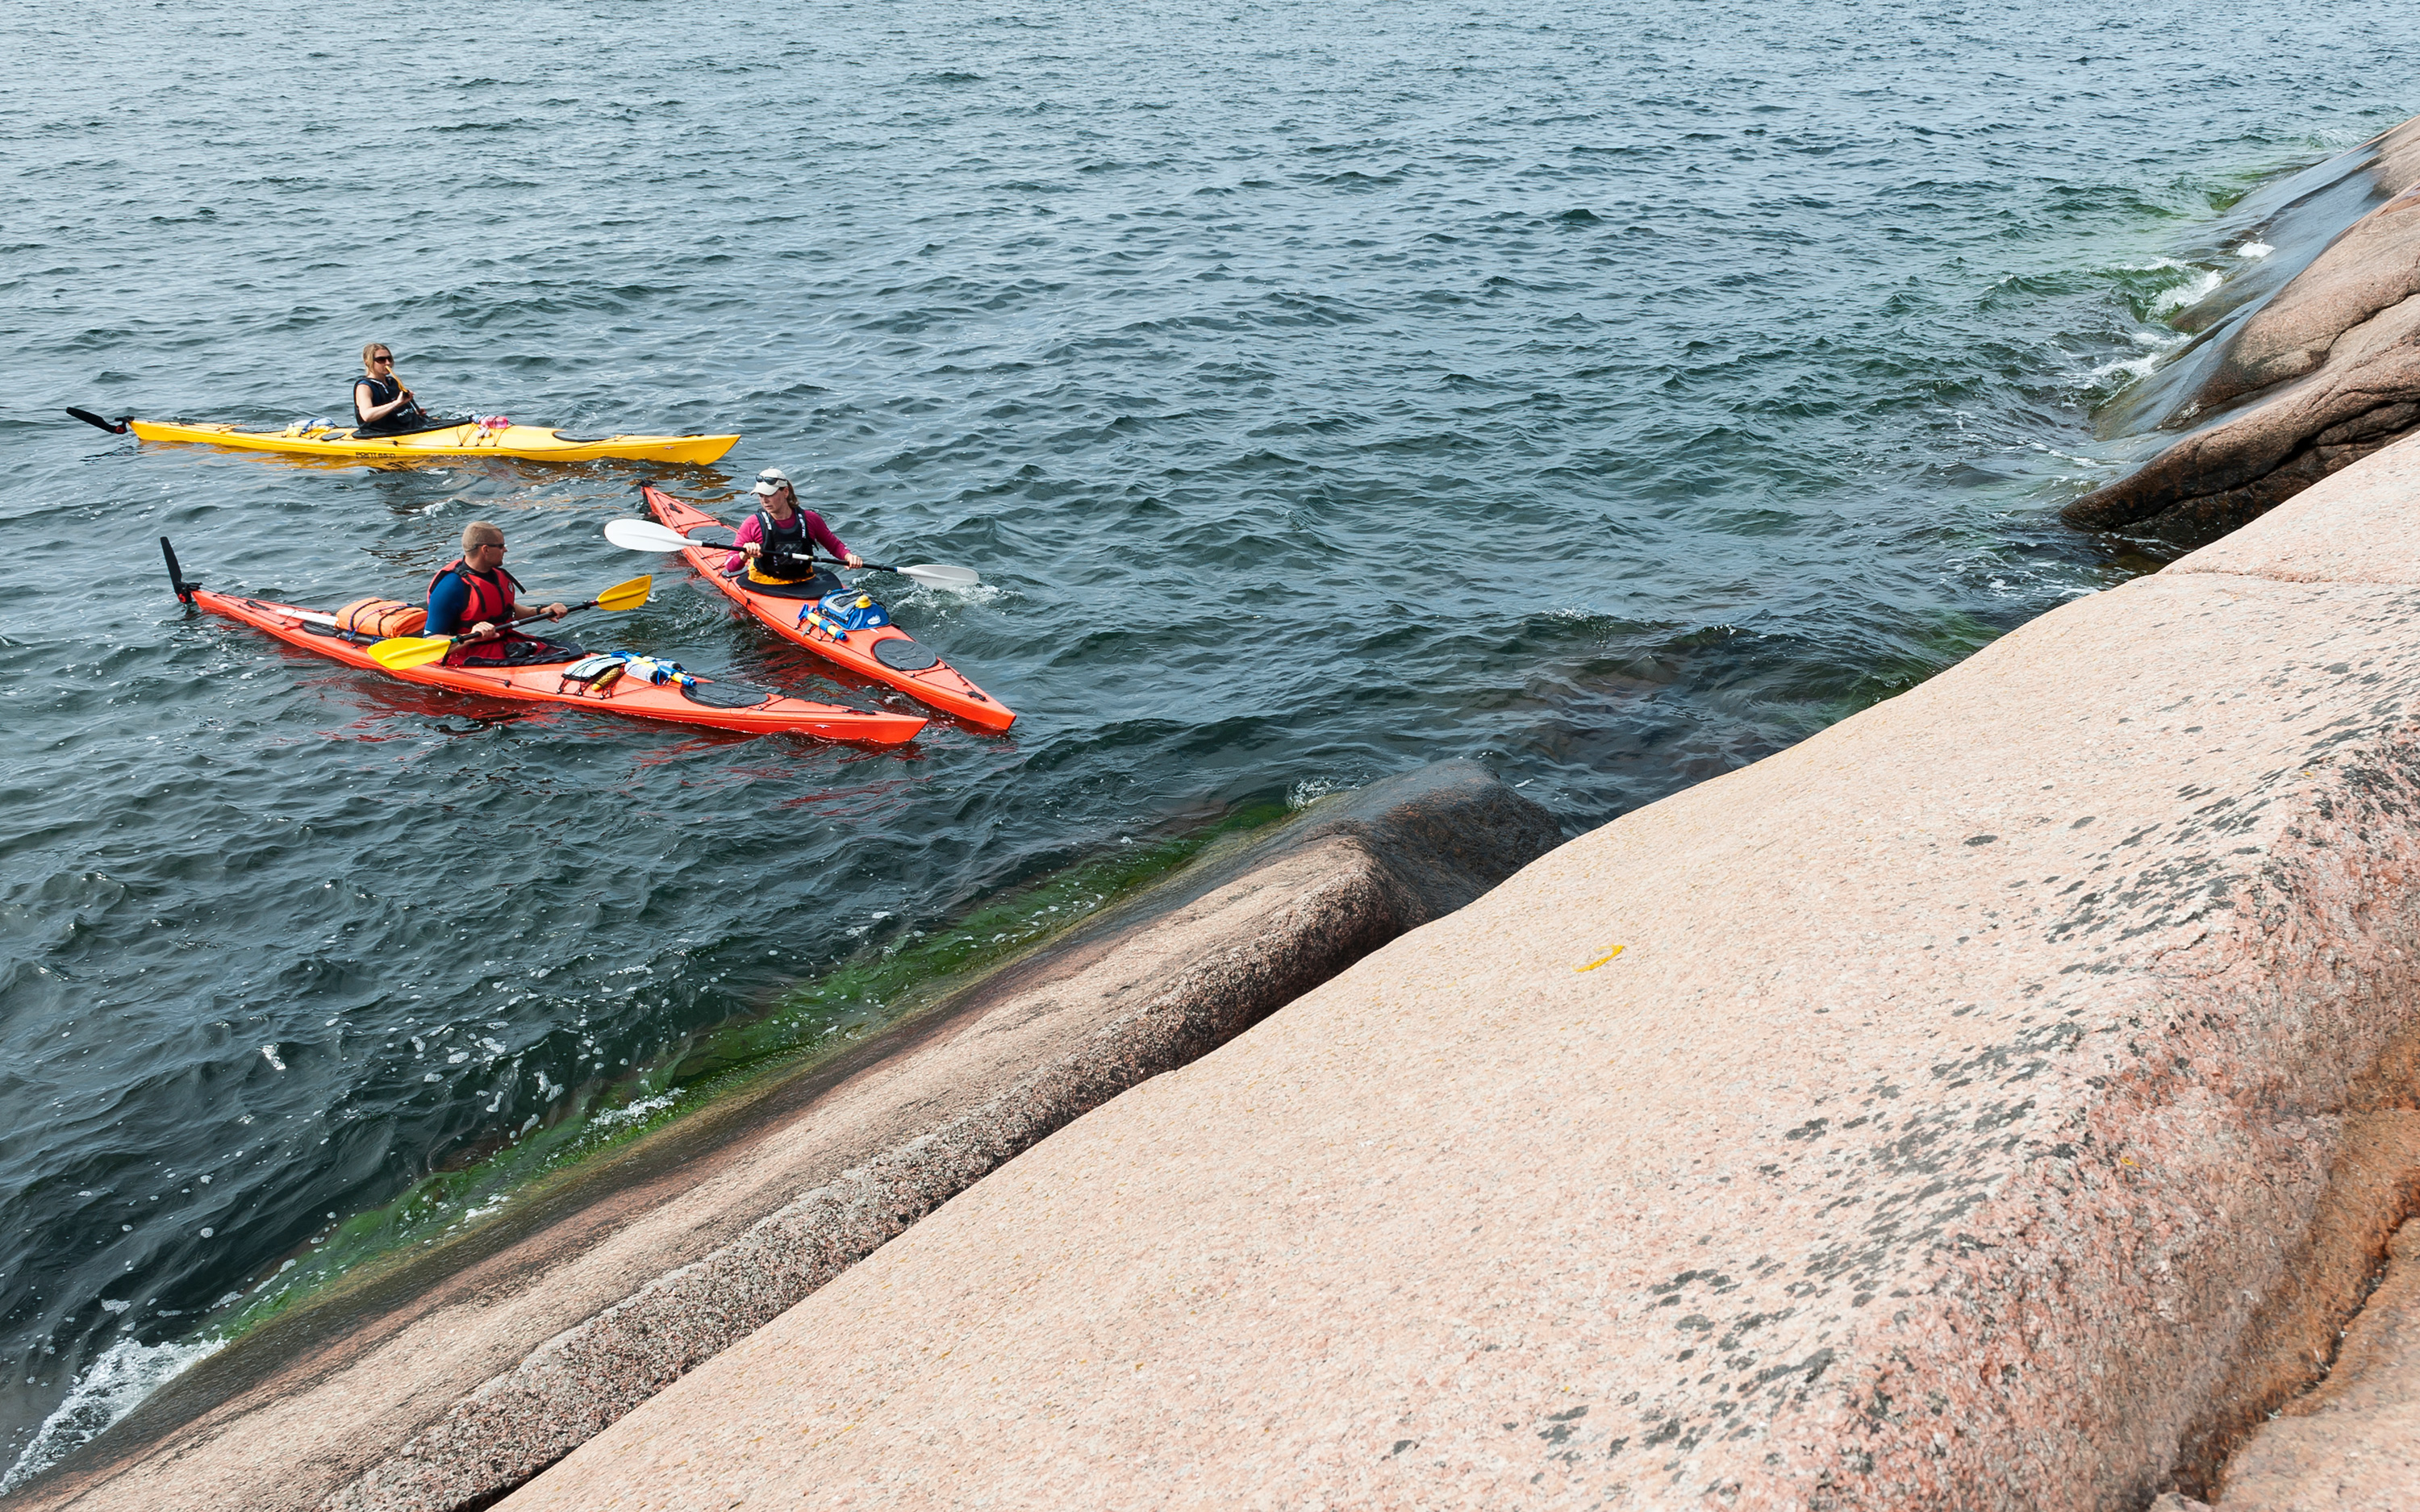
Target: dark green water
[1612, 395]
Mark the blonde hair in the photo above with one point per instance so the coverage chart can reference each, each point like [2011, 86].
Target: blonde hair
[387, 347]
[480, 533]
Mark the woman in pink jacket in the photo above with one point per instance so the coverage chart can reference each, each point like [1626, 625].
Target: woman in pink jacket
[776, 544]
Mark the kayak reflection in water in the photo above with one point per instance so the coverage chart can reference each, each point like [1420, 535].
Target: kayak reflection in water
[777, 543]
[472, 596]
[381, 402]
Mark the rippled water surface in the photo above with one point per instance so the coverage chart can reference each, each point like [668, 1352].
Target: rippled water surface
[1613, 394]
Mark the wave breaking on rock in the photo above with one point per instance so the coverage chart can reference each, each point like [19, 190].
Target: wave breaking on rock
[2286, 383]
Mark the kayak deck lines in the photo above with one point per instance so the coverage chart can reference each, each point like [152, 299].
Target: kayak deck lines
[940, 685]
[769, 713]
[536, 444]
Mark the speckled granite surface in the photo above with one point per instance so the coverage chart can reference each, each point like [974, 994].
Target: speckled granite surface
[1965, 1078]
[444, 1384]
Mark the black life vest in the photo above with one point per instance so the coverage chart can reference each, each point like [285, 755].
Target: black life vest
[788, 550]
[490, 601]
[386, 391]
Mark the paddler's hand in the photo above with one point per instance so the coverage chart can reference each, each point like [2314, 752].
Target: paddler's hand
[854, 560]
[484, 630]
[752, 549]
[555, 611]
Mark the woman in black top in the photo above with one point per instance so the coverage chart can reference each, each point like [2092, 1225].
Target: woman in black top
[381, 402]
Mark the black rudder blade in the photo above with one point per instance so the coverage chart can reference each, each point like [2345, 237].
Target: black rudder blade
[116, 428]
[175, 574]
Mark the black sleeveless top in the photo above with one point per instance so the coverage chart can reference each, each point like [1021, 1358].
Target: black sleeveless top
[789, 550]
[384, 391]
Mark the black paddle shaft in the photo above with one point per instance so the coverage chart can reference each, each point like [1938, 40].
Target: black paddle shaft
[116, 428]
[808, 557]
[569, 609]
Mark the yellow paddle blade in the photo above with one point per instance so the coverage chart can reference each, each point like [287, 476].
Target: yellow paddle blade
[627, 595]
[404, 653]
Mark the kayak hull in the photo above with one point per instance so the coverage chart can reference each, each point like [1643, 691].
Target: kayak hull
[776, 713]
[941, 685]
[533, 443]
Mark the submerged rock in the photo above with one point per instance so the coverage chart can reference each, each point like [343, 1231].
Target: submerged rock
[2320, 374]
[447, 1382]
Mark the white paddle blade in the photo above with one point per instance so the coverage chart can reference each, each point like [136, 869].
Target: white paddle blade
[646, 535]
[940, 577]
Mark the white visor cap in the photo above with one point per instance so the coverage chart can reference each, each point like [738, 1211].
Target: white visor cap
[771, 481]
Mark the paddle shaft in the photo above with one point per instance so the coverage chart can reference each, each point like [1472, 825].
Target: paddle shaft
[472, 638]
[767, 554]
[809, 558]
[541, 614]
[648, 536]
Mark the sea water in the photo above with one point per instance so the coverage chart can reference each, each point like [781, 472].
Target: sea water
[1611, 395]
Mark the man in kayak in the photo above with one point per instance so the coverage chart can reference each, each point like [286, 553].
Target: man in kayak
[472, 596]
[381, 402]
[776, 544]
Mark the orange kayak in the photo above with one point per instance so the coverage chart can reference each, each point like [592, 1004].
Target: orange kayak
[885, 654]
[715, 704]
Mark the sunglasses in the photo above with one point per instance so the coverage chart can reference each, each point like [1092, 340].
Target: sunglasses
[388, 362]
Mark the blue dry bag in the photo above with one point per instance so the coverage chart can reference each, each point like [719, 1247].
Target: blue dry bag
[853, 610]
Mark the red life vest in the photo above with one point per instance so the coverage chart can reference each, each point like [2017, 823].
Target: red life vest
[490, 602]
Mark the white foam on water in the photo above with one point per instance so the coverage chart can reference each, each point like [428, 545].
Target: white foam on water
[2184, 294]
[2255, 249]
[115, 1385]
[2133, 367]
[635, 1111]
[943, 592]
[2161, 342]
[1310, 790]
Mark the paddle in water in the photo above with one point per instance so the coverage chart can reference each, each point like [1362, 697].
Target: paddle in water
[646, 535]
[116, 428]
[403, 653]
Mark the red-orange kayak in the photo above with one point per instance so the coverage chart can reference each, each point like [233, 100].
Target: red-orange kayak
[885, 654]
[716, 704]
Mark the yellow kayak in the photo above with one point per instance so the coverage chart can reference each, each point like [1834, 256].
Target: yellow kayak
[537, 444]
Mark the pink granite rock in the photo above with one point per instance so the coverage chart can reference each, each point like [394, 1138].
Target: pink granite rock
[2354, 1443]
[2368, 270]
[1917, 1119]
[2373, 1185]
[2332, 359]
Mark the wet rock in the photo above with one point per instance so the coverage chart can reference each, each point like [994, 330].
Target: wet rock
[444, 1383]
[1920, 1117]
[2323, 372]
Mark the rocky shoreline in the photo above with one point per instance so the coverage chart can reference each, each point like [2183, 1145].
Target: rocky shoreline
[2007, 1097]
[1984, 1103]
[445, 1383]
[2285, 385]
